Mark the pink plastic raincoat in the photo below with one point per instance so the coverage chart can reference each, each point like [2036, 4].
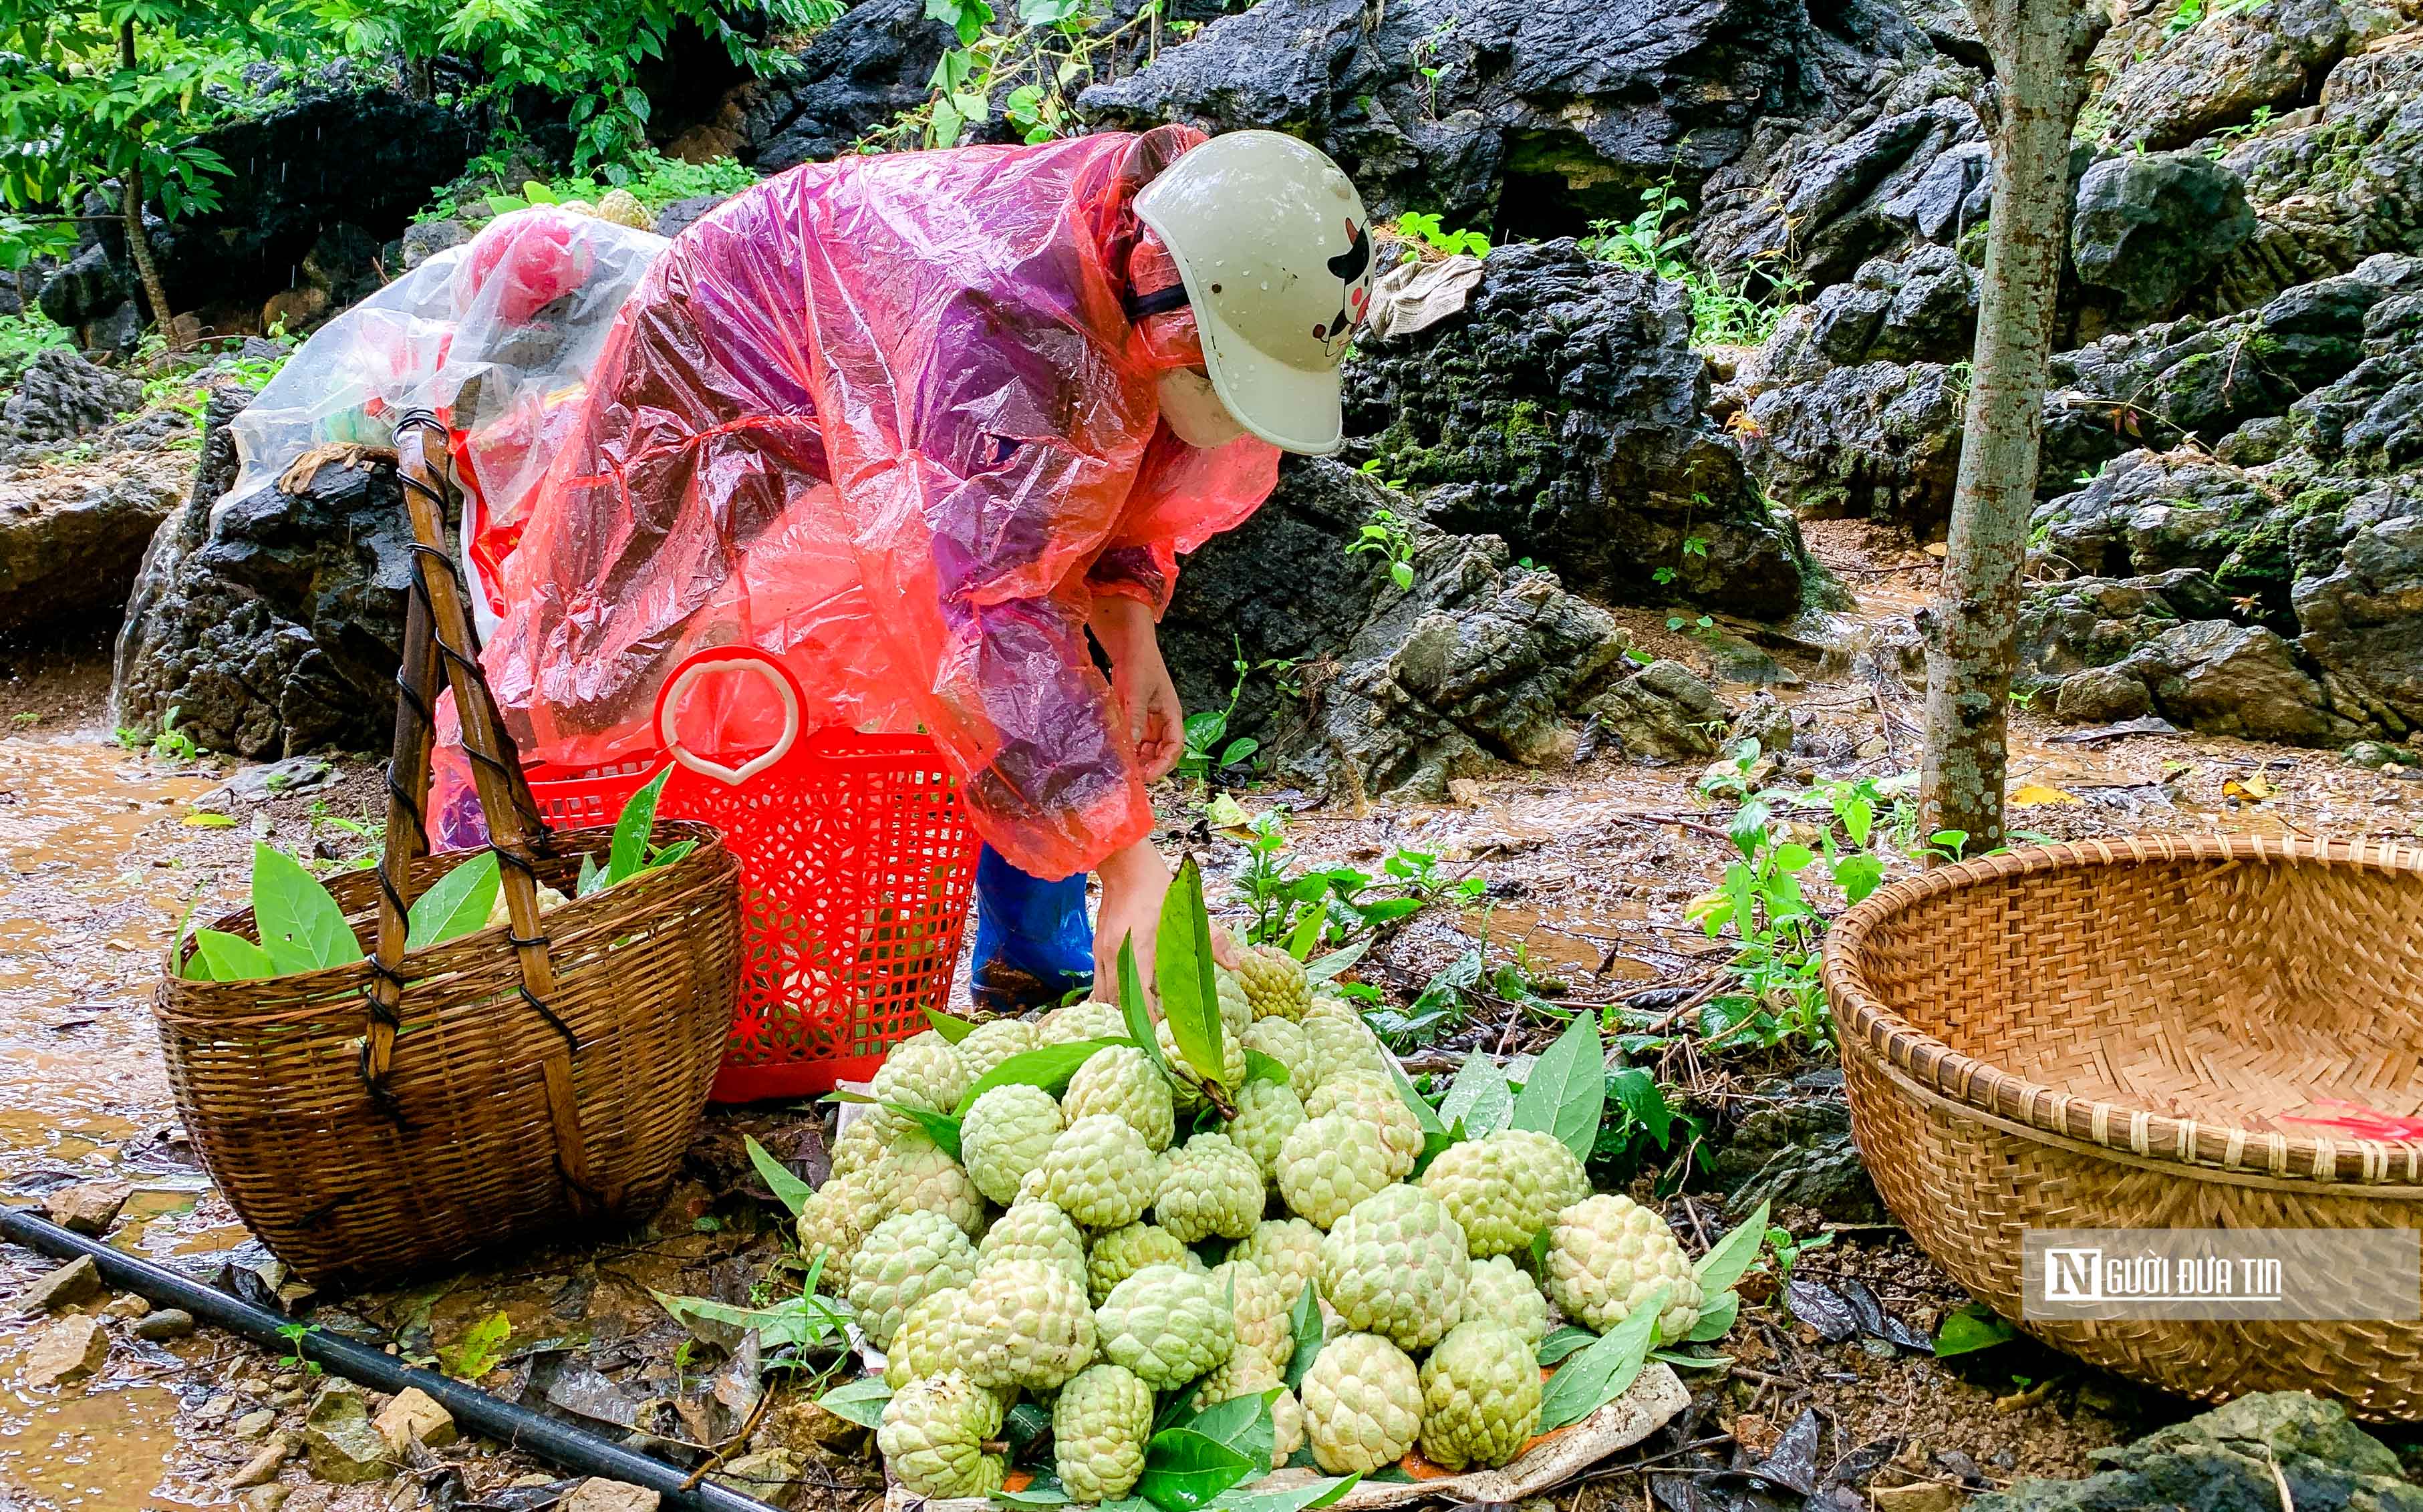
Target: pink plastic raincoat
[886, 419]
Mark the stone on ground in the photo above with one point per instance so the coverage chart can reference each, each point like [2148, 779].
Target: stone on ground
[68, 1350]
[160, 1327]
[598, 1494]
[70, 1284]
[88, 1207]
[344, 1449]
[416, 1414]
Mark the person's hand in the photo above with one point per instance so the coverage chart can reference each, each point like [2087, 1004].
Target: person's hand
[1133, 883]
[1140, 680]
[1224, 948]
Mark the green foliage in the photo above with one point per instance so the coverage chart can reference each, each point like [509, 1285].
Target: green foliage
[1605, 1369]
[480, 1349]
[2191, 12]
[1721, 315]
[1972, 1328]
[1035, 62]
[860, 1402]
[294, 1334]
[23, 338]
[1349, 903]
[1209, 749]
[1567, 1089]
[485, 187]
[1190, 996]
[1389, 537]
[787, 1188]
[1423, 226]
[805, 1322]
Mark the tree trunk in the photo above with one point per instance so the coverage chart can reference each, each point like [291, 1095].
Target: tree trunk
[2039, 50]
[139, 244]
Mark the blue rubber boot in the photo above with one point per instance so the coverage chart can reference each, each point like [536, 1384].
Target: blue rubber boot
[1034, 943]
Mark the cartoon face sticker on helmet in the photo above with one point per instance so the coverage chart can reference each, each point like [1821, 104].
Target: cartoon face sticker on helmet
[1353, 268]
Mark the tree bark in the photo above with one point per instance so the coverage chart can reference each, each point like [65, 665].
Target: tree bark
[2039, 50]
[139, 244]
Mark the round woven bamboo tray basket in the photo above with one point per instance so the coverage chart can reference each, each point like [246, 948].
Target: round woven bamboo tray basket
[2119, 1034]
[460, 1148]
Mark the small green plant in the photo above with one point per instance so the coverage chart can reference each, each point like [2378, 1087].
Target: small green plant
[1208, 749]
[1327, 908]
[2229, 136]
[1721, 314]
[295, 1334]
[1702, 628]
[26, 336]
[656, 180]
[1787, 1250]
[1423, 226]
[1387, 536]
[25, 719]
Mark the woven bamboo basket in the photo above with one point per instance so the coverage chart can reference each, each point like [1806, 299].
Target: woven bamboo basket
[268, 1075]
[2120, 1034]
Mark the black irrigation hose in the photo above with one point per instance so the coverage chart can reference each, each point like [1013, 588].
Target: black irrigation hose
[559, 1443]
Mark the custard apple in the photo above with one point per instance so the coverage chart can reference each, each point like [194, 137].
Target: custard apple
[933, 1436]
[1123, 1081]
[1188, 1088]
[1480, 1397]
[922, 1071]
[1036, 1231]
[860, 1147]
[1329, 1164]
[920, 1177]
[1267, 1113]
[908, 1255]
[989, 1044]
[623, 208]
[1081, 1021]
[1362, 1404]
[1371, 1096]
[1006, 1134]
[1027, 1323]
[1286, 1249]
[929, 1341]
[1100, 1171]
[1275, 983]
[1605, 1253]
[1248, 1373]
[1209, 1188]
[1236, 1009]
[1395, 1267]
[1165, 1324]
[1262, 1323]
[1505, 1187]
[1287, 1427]
[1336, 1039]
[1498, 1291]
[1123, 1251]
[1282, 1040]
[836, 1219]
[1098, 1430]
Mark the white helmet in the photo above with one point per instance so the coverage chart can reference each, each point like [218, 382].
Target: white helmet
[1271, 243]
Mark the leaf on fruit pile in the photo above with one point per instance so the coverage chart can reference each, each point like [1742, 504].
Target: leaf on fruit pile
[1049, 1068]
[1190, 995]
[1566, 1094]
[860, 1402]
[457, 903]
[1481, 1101]
[787, 1188]
[1605, 1370]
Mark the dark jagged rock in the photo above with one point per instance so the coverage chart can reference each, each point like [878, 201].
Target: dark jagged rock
[2096, 622]
[1662, 713]
[273, 624]
[2231, 679]
[2148, 513]
[1795, 1150]
[1879, 441]
[2363, 618]
[854, 76]
[682, 214]
[1923, 308]
[2223, 68]
[2151, 227]
[1540, 116]
[1820, 200]
[93, 295]
[62, 395]
[423, 240]
[2271, 1450]
[1565, 410]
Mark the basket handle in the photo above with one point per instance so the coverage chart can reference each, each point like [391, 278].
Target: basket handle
[442, 646]
[729, 659]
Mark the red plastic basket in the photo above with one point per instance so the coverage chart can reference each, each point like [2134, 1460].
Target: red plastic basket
[856, 864]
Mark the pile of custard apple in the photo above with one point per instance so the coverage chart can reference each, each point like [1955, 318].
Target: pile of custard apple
[1085, 1253]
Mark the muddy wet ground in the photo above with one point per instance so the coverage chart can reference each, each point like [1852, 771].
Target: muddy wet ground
[1588, 874]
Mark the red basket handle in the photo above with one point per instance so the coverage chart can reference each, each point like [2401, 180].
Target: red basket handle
[729, 659]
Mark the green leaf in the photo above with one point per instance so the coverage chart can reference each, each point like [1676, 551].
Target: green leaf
[1563, 1341]
[1732, 1257]
[1692, 1361]
[787, 1188]
[1967, 1329]
[1319, 1493]
[1716, 1318]
[1261, 1067]
[591, 878]
[860, 1402]
[1604, 1371]
[1044, 1490]
[1567, 1090]
[224, 957]
[806, 1319]
[951, 1027]
[1480, 1101]
[943, 1128]
[1184, 1470]
[1636, 1091]
[1303, 1321]
[457, 903]
[1137, 1011]
[1243, 1424]
[632, 829]
[1190, 996]
[1050, 1068]
[1308, 933]
[477, 1352]
[301, 926]
[1336, 961]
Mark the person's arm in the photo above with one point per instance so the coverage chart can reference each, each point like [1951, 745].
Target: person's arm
[1134, 880]
[1139, 677]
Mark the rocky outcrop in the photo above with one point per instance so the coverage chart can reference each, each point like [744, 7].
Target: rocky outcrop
[874, 62]
[273, 624]
[2220, 72]
[2271, 1450]
[1535, 117]
[1923, 308]
[1879, 441]
[1565, 412]
[2151, 227]
[59, 396]
[2362, 617]
[70, 541]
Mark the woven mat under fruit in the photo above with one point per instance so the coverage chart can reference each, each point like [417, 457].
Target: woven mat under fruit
[1650, 1405]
